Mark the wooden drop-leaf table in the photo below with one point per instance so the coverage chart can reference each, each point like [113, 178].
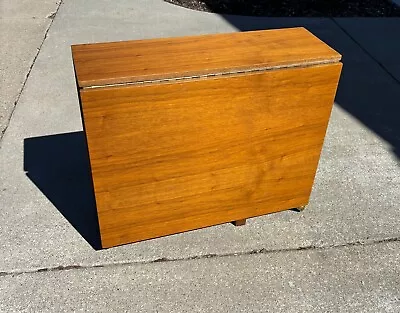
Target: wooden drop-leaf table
[184, 133]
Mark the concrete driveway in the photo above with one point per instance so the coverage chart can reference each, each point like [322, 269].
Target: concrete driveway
[342, 254]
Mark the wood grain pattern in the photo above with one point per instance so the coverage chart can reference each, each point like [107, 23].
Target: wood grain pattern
[132, 61]
[172, 157]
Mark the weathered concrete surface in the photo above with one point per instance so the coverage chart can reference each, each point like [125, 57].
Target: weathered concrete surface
[356, 279]
[23, 25]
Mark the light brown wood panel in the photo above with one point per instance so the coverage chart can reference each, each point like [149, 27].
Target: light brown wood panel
[172, 157]
[131, 61]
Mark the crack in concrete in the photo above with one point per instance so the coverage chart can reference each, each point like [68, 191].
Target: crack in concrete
[200, 257]
[51, 17]
[381, 65]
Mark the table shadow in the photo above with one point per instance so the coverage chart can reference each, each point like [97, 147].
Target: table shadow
[59, 166]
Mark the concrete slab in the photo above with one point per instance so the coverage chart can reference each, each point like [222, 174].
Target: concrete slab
[23, 26]
[379, 37]
[28, 9]
[47, 215]
[378, 106]
[15, 62]
[348, 279]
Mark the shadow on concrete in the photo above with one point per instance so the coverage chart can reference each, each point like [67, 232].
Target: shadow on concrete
[59, 166]
[295, 8]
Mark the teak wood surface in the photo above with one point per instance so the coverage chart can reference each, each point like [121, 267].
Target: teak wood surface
[177, 155]
[130, 61]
